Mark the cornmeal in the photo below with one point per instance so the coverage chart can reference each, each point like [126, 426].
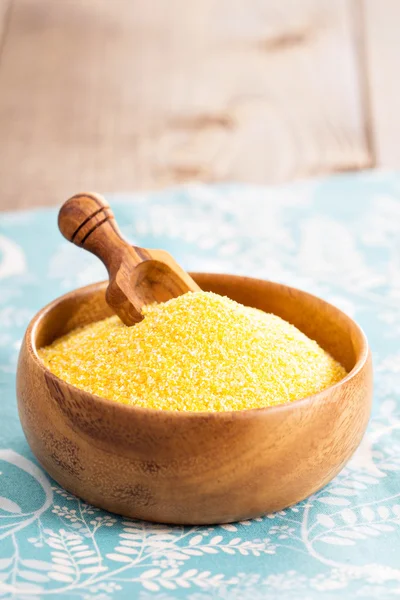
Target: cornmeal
[197, 352]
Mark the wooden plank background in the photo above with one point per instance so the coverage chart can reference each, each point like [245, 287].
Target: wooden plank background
[121, 95]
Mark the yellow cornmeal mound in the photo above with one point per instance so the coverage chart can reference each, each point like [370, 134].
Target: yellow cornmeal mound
[198, 352]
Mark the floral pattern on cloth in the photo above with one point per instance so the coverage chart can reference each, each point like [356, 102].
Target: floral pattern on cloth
[338, 238]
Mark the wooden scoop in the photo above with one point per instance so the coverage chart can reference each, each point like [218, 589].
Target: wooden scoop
[137, 276]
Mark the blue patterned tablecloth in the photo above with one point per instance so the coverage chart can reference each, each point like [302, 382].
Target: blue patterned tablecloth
[338, 238]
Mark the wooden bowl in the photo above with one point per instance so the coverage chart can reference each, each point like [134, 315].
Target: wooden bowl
[195, 468]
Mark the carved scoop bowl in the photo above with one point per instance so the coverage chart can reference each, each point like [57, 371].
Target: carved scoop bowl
[195, 468]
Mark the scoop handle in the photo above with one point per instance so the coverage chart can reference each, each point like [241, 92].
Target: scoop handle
[87, 221]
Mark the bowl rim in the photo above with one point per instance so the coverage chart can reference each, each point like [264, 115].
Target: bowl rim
[130, 409]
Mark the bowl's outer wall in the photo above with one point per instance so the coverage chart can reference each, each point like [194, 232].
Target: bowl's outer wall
[188, 467]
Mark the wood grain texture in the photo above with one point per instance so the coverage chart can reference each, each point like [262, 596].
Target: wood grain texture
[138, 276]
[195, 467]
[382, 55]
[132, 94]
[5, 6]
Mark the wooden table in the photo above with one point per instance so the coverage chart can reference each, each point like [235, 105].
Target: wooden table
[136, 94]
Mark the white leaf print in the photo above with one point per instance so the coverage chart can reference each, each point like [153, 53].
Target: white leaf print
[63, 569]
[229, 527]
[330, 539]
[9, 506]
[366, 479]
[189, 574]
[53, 543]
[387, 408]
[363, 460]
[62, 561]
[88, 561]
[325, 520]
[396, 509]
[235, 541]
[216, 540]
[334, 501]
[349, 516]
[74, 268]
[192, 551]
[131, 544]
[357, 485]
[12, 258]
[59, 554]
[118, 557]
[182, 582]
[133, 525]
[353, 534]
[390, 467]
[125, 550]
[60, 577]
[33, 576]
[177, 555]
[368, 530]
[170, 573]
[72, 543]
[195, 540]
[342, 491]
[84, 553]
[154, 543]
[150, 574]
[368, 513]
[383, 512]
[327, 243]
[150, 585]
[5, 563]
[40, 565]
[167, 584]
[131, 536]
[158, 529]
[209, 550]
[28, 589]
[95, 569]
